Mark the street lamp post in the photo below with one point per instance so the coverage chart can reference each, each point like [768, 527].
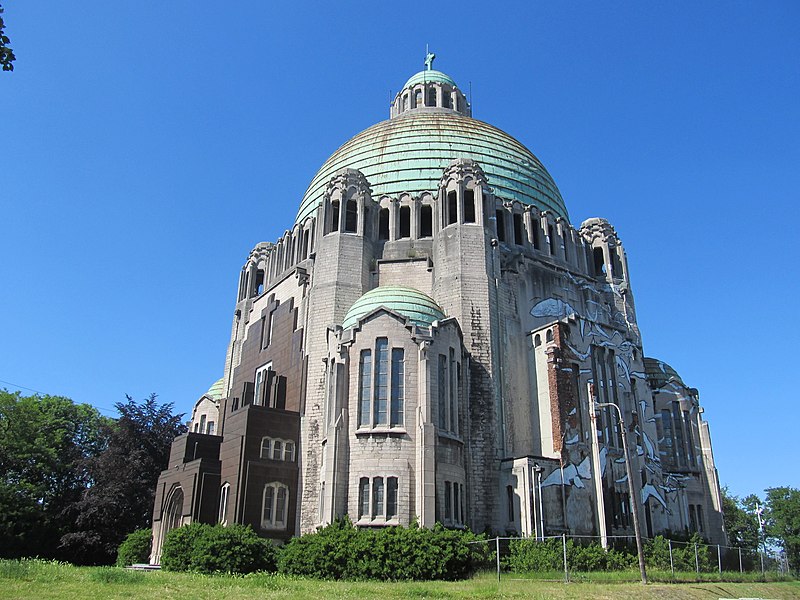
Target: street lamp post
[631, 492]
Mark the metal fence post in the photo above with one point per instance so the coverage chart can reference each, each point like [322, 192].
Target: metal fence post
[719, 558]
[564, 546]
[497, 555]
[696, 560]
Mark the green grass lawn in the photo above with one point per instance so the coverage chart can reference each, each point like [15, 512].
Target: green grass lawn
[47, 580]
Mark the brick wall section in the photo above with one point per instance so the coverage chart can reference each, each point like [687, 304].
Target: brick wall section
[563, 396]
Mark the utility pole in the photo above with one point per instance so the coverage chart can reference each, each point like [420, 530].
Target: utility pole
[631, 491]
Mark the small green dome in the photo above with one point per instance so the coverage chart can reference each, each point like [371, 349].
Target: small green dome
[659, 373]
[410, 152]
[417, 306]
[430, 76]
[217, 390]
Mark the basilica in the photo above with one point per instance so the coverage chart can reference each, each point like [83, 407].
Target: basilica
[433, 340]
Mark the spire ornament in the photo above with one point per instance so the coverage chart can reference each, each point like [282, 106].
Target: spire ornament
[429, 56]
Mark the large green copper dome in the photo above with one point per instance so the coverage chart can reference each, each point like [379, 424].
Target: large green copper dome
[416, 306]
[409, 152]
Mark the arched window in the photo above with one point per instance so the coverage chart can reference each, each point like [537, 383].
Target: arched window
[446, 103]
[275, 506]
[405, 102]
[501, 224]
[417, 98]
[224, 496]
[381, 386]
[431, 97]
[518, 229]
[452, 208]
[599, 261]
[173, 515]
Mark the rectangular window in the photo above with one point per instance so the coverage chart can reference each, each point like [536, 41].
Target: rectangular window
[426, 221]
[448, 506]
[700, 526]
[334, 216]
[223, 503]
[679, 444]
[266, 448]
[456, 504]
[692, 518]
[350, 216]
[288, 452]
[669, 436]
[383, 224]
[269, 499]
[363, 498]
[453, 407]
[501, 225]
[211, 428]
[518, 230]
[398, 386]
[280, 507]
[452, 208]
[277, 450]
[469, 206]
[405, 221]
[443, 423]
[687, 421]
[202, 423]
[377, 497]
[552, 237]
[381, 381]
[391, 497]
[365, 395]
[510, 501]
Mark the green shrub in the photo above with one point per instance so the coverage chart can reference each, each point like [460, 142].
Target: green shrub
[216, 549]
[341, 551]
[231, 549]
[135, 548]
[532, 555]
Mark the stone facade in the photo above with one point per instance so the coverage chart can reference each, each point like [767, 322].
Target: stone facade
[426, 343]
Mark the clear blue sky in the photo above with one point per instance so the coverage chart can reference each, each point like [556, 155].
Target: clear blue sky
[148, 146]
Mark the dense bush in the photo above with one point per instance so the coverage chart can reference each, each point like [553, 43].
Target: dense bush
[216, 549]
[341, 551]
[548, 555]
[135, 548]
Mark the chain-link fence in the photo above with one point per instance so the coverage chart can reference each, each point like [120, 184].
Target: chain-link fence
[583, 558]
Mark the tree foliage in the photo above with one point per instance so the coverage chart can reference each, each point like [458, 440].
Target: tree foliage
[783, 522]
[135, 548]
[45, 442]
[740, 521]
[7, 57]
[123, 480]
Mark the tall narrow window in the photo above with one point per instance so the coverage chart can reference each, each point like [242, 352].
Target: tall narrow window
[351, 216]
[203, 423]
[426, 221]
[259, 282]
[551, 234]
[501, 225]
[267, 516]
[383, 224]
[453, 407]
[669, 436]
[391, 497]
[518, 230]
[363, 498]
[334, 216]
[443, 421]
[692, 518]
[448, 506]
[510, 501]
[405, 221]
[599, 261]
[275, 505]
[277, 450]
[446, 101]
[364, 393]
[535, 235]
[456, 504]
[431, 97]
[679, 443]
[377, 497]
[687, 421]
[381, 380]
[452, 208]
[418, 99]
[280, 507]
[224, 494]
[700, 526]
[469, 206]
[398, 386]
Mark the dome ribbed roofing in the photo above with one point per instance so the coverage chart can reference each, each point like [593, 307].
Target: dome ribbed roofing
[409, 153]
[216, 391]
[659, 373]
[429, 75]
[416, 306]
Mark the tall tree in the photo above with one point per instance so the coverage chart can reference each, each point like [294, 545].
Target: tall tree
[45, 442]
[741, 523]
[123, 480]
[783, 522]
[7, 57]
